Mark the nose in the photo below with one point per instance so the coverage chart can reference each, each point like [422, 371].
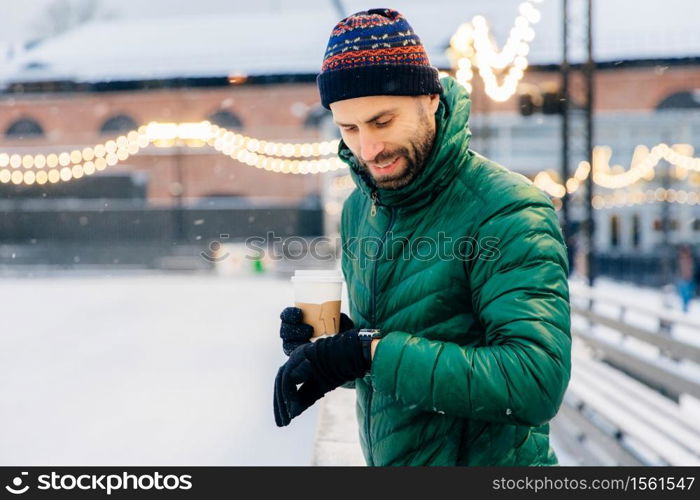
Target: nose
[370, 147]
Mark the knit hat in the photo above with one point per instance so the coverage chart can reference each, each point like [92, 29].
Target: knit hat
[375, 52]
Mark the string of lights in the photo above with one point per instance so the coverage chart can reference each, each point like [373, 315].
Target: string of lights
[642, 166]
[68, 165]
[472, 45]
[621, 199]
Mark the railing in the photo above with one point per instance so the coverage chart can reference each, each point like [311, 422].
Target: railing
[629, 372]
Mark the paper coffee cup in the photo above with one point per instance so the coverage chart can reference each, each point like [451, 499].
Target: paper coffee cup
[317, 293]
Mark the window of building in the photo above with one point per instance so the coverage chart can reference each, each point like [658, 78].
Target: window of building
[636, 231]
[614, 231]
[118, 123]
[226, 119]
[25, 127]
[671, 224]
[687, 99]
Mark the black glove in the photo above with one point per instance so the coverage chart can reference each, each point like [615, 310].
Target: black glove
[320, 367]
[295, 333]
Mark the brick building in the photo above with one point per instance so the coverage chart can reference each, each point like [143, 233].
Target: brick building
[254, 73]
[105, 78]
[53, 122]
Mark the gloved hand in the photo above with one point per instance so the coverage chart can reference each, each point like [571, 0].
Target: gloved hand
[295, 333]
[319, 367]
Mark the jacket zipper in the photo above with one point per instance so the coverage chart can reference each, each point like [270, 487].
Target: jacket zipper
[376, 264]
[373, 213]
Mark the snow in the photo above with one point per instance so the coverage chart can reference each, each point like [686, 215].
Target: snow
[144, 369]
[290, 39]
[201, 46]
[654, 300]
[149, 368]
[337, 433]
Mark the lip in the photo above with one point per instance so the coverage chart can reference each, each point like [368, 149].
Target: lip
[386, 170]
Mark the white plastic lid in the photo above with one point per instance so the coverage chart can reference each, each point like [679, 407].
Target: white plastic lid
[317, 276]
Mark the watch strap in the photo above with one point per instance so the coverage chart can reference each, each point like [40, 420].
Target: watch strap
[366, 337]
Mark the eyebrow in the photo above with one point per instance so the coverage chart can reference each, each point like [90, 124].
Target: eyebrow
[375, 117]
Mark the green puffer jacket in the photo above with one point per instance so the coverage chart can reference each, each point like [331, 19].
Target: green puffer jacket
[465, 272]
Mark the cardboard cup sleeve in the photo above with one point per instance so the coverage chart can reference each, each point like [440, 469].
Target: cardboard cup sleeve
[325, 318]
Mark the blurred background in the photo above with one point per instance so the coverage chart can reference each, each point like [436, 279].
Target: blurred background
[141, 145]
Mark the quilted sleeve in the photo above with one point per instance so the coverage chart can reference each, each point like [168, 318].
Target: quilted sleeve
[521, 297]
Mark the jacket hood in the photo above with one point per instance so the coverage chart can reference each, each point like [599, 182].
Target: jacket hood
[448, 155]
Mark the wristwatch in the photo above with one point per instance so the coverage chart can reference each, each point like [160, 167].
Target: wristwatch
[366, 337]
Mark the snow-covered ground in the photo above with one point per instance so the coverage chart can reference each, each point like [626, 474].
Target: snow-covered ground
[144, 370]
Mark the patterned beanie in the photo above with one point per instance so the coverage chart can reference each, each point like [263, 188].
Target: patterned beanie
[375, 52]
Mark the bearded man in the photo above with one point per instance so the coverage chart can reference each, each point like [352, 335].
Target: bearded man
[459, 346]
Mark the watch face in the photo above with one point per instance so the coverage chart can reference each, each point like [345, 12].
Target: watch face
[370, 333]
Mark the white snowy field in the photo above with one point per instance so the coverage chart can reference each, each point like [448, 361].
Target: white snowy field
[144, 370]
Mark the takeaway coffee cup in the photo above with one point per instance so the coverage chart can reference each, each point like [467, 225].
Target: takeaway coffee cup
[317, 293]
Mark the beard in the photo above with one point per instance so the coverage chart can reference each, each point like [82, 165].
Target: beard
[414, 156]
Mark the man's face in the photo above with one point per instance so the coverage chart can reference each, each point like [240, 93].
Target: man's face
[391, 136]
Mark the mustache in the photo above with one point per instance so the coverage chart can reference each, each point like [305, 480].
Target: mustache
[385, 156]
